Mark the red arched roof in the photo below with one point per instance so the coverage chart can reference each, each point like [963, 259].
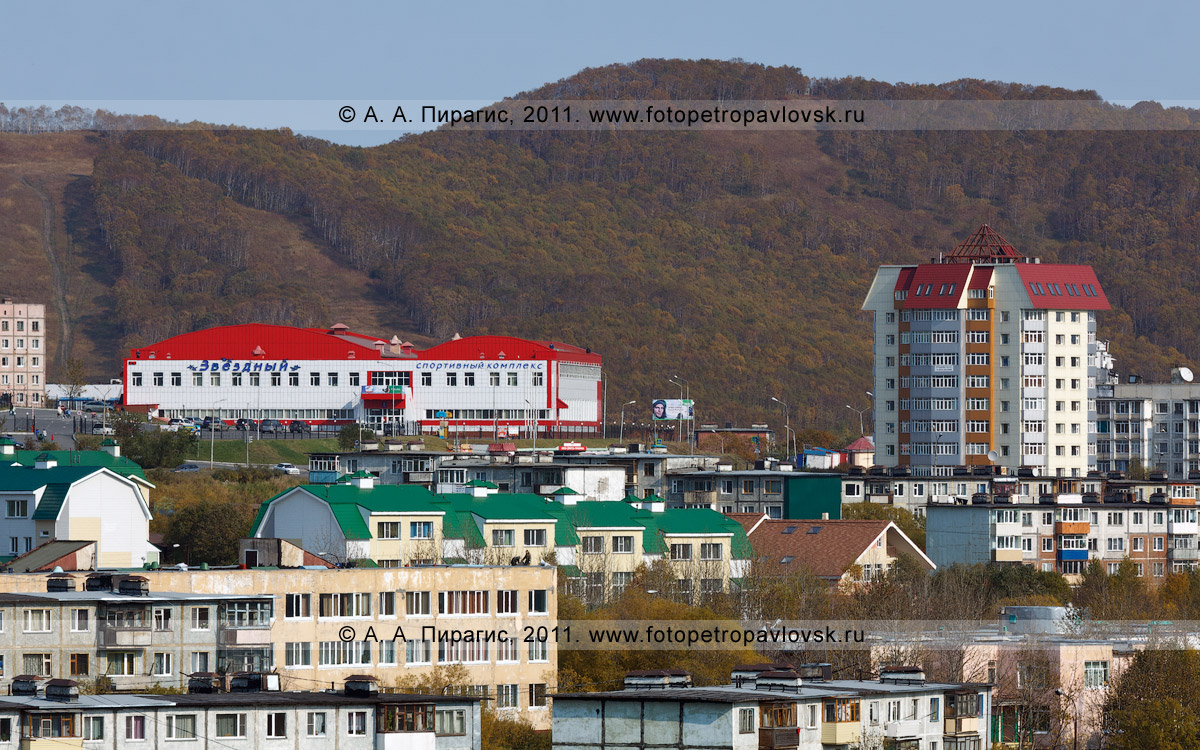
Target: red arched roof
[287, 342]
[277, 342]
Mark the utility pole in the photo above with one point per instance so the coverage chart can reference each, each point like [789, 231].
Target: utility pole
[627, 403]
[787, 422]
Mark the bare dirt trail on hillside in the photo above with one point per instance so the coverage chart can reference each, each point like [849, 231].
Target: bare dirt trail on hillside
[49, 247]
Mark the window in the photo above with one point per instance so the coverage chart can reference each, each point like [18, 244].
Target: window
[198, 378]
[354, 381]
[506, 602]
[79, 664]
[1095, 674]
[121, 662]
[231, 725]
[298, 606]
[450, 722]
[276, 725]
[297, 654]
[681, 552]
[93, 728]
[418, 652]
[135, 379]
[37, 621]
[162, 664]
[593, 545]
[255, 379]
[80, 620]
[537, 602]
[38, 664]
[462, 602]
[135, 727]
[420, 530]
[538, 379]
[512, 378]
[162, 618]
[535, 537]
[356, 723]
[181, 726]
[504, 538]
[710, 551]
[417, 604]
[344, 605]
[493, 378]
[200, 618]
[199, 661]
[17, 508]
[344, 653]
[507, 696]
[539, 650]
[176, 378]
[622, 544]
[277, 378]
[316, 724]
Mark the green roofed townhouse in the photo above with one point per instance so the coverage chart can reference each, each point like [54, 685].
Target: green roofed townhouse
[78, 496]
[597, 545]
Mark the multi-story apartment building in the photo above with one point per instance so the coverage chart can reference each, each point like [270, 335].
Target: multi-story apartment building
[591, 473]
[1156, 425]
[1065, 532]
[23, 351]
[775, 706]
[318, 627]
[597, 544]
[771, 488]
[986, 356]
[55, 715]
[131, 636]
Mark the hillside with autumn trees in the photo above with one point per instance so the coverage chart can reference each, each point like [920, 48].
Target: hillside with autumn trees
[735, 260]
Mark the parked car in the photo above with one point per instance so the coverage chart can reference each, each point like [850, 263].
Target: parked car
[177, 424]
[286, 468]
[243, 424]
[102, 429]
[215, 425]
[186, 468]
[95, 406]
[270, 425]
[298, 426]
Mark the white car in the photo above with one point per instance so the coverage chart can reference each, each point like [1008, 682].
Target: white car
[102, 429]
[286, 468]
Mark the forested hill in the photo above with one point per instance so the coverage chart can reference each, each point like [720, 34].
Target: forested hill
[735, 260]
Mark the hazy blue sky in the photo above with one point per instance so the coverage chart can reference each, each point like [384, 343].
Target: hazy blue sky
[120, 50]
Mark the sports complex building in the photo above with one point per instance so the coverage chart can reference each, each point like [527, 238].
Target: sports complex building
[494, 386]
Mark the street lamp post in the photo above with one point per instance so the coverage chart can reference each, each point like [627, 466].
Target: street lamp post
[787, 422]
[212, 435]
[679, 423]
[860, 412]
[872, 397]
[534, 427]
[627, 403]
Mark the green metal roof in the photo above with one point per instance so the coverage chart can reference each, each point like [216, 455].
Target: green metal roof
[117, 464]
[19, 478]
[51, 503]
[350, 505]
[570, 571]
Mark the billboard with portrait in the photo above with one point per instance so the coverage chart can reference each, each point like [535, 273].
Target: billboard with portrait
[671, 409]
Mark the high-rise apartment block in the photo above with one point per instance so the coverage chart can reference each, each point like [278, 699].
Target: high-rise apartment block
[985, 356]
[22, 353]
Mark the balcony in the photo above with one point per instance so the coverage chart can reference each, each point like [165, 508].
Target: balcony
[962, 725]
[1183, 553]
[418, 477]
[840, 733]
[50, 743]
[1007, 555]
[127, 637]
[1081, 528]
[707, 498]
[778, 737]
[902, 730]
[1189, 528]
[246, 636]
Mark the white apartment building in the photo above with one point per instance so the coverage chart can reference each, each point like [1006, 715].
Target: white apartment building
[985, 356]
[23, 350]
[1154, 424]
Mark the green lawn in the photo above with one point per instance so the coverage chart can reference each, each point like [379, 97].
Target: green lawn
[265, 451]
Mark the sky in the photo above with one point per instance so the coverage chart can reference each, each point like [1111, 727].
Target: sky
[169, 56]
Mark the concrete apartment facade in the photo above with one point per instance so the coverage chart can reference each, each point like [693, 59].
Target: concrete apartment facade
[23, 351]
[329, 624]
[1154, 424]
[56, 716]
[986, 350]
[773, 706]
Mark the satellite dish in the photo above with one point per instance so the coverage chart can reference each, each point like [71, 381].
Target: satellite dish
[992, 456]
[1186, 374]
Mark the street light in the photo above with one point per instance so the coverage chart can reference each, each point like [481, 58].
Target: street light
[534, 427]
[872, 397]
[787, 423]
[212, 434]
[1074, 714]
[860, 418]
[679, 426]
[627, 403]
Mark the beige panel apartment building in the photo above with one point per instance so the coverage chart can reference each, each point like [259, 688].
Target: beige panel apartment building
[23, 351]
